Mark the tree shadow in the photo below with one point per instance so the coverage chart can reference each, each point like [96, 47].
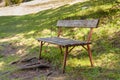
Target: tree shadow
[37, 25]
[42, 20]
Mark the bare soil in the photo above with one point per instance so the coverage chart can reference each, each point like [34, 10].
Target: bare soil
[48, 73]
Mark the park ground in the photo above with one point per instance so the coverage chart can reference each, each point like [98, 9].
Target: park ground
[18, 42]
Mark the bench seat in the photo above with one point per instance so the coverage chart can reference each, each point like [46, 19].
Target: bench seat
[63, 41]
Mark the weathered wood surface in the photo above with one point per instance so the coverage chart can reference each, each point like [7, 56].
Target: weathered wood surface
[23, 60]
[78, 23]
[63, 41]
[31, 63]
[34, 66]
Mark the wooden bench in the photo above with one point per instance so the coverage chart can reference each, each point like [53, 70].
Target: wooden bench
[66, 43]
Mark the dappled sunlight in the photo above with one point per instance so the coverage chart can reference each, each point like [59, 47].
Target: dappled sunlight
[59, 77]
[1, 65]
[19, 25]
[11, 38]
[8, 39]
[75, 62]
[5, 63]
[105, 32]
[31, 32]
[46, 32]
[91, 10]
[18, 36]
[21, 52]
[15, 45]
[108, 60]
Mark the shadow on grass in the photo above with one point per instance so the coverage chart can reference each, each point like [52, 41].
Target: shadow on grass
[40, 24]
[13, 25]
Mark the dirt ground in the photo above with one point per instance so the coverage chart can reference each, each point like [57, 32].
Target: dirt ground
[24, 72]
[34, 6]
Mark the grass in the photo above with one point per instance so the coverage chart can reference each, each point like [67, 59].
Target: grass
[20, 33]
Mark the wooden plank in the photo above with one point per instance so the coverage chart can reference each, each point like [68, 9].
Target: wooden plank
[24, 60]
[78, 23]
[63, 41]
[34, 66]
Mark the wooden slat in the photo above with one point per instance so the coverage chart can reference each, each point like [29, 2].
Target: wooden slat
[78, 23]
[63, 41]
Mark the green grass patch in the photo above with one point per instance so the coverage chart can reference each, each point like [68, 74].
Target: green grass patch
[23, 30]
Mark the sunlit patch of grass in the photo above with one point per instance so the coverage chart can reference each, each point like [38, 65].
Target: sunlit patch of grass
[5, 63]
[23, 31]
[108, 61]
[74, 62]
[1, 65]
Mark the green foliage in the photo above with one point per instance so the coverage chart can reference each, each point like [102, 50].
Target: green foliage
[12, 2]
[16, 1]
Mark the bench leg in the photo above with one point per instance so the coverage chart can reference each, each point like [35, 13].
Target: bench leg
[60, 49]
[90, 54]
[40, 51]
[65, 58]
